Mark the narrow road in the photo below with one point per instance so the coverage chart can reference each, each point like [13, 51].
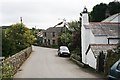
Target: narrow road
[44, 63]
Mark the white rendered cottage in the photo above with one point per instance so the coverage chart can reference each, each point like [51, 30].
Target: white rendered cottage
[98, 36]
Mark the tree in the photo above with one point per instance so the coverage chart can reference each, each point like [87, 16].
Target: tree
[98, 13]
[74, 26]
[100, 10]
[71, 37]
[16, 38]
[114, 7]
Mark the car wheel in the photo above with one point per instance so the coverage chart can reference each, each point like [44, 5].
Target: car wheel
[58, 54]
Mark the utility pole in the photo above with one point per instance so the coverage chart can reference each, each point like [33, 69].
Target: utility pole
[21, 20]
[64, 26]
[64, 21]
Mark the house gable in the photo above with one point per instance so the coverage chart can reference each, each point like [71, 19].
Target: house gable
[97, 48]
[91, 59]
[113, 18]
[93, 52]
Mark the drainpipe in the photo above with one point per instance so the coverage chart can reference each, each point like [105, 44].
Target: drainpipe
[108, 41]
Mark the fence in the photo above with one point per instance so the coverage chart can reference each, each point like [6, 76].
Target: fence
[13, 63]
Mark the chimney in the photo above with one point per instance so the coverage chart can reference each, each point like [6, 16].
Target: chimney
[85, 17]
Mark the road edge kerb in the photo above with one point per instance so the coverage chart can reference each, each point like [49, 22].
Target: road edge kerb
[77, 62]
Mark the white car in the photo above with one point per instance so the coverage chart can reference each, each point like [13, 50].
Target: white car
[63, 50]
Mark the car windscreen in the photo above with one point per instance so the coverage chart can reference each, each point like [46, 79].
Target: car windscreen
[64, 49]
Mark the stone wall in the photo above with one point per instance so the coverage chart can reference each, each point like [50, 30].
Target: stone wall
[13, 63]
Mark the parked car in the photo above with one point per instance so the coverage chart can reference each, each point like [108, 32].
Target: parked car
[115, 71]
[63, 50]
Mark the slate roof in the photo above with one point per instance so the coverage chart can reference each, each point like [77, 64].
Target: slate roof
[97, 48]
[5, 27]
[111, 18]
[104, 28]
[54, 29]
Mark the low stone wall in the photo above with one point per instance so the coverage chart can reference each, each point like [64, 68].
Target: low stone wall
[13, 63]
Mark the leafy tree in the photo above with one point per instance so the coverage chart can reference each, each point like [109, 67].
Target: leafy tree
[75, 44]
[76, 32]
[114, 7]
[98, 13]
[65, 39]
[16, 38]
[71, 37]
[7, 45]
[74, 26]
[38, 39]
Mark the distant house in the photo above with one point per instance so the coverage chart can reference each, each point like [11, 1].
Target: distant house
[50, 36]
[97, 37]
[40, 36]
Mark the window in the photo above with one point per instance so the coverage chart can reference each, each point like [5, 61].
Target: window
[45, 34]
[53, 34]
[48, 41]
[53, 41]
[44, 40]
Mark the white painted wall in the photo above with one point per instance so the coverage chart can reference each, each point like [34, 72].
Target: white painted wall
[83, 43]
[85, 36]
[92, 38]
[101, 40]
[85, 18]
[91, 60]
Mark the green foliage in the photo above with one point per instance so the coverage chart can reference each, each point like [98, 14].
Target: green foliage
[74, 26]
[98, 13]
[76, 54]
[53, 46]
[65, 39]
[6, 70]
[16, 38]
[114, 7]
[76, 42]
[38, 40]
[72, 38]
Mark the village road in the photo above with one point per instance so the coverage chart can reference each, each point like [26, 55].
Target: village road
[44, 63]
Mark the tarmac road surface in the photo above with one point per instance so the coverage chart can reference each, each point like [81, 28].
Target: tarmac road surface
[44, 63]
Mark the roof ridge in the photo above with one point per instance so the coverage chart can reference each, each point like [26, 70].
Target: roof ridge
[102, 44]
[105, 22]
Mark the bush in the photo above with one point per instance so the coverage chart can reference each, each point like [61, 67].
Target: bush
[76, 54]
[7, 70]
[15, 39]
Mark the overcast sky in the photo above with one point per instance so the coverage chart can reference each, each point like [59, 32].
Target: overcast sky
[43, 13]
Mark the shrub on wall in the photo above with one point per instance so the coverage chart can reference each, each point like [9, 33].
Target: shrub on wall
[6, 70]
